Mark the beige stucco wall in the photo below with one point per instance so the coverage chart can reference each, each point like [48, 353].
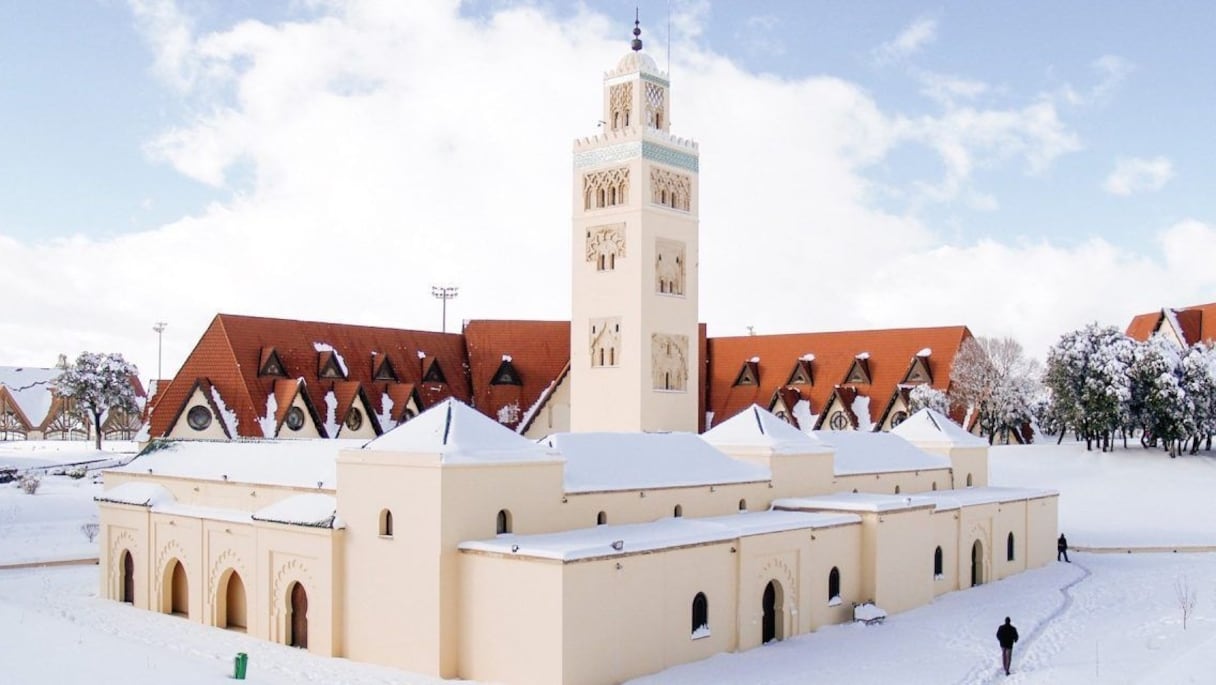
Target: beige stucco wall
[554, 417]
[182, 430]
[945, 534]
[909, 482]
[268, 558]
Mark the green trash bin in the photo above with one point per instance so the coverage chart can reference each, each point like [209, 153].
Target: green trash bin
[240, 665]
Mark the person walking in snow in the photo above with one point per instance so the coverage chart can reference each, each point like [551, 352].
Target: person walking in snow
[1006, 635]
[1062, 548]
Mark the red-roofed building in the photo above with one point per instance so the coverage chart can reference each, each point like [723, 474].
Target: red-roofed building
[1185, 326]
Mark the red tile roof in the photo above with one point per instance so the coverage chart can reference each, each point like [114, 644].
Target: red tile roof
[1197, 322]
[539, 351]
[890, 352]
[233, 349]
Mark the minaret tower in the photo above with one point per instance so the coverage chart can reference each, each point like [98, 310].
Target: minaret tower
[634, 355]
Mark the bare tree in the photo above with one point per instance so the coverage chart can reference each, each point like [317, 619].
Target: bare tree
[993, 378]
[1186, 596]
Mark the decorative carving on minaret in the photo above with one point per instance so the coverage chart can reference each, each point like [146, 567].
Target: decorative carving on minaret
[670, 189]
[669, 267]
[669, 361]
[605, 245]
[605, 341]
[656, 105]
[620, 102]
[606, 188]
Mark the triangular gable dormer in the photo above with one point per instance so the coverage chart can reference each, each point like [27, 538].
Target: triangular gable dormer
[354, 414]
[383, 370]
[859, 372]
[295, 415]
[897, 409]
[782, 405]
[801, 375]
[270, 364]
[199, 417]
[838, 410]
[329, 367]
[749, 374]
[506, 374]
[918, 372]
[434, 372]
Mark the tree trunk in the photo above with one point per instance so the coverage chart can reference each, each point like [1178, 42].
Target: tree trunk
[97, 429]
[1061, 440]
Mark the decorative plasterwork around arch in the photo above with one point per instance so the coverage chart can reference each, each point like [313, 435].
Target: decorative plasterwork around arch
[171, 550]
[227, 560]
[123, 541]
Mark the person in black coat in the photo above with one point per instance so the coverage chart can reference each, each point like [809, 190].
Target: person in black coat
[1062, 548]
[1006, 635]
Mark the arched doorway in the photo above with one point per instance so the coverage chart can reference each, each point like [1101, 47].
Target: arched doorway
[297, 629]
[179, 591]
[235, 611]
[772, 627]
[977, 563]
[128, 578]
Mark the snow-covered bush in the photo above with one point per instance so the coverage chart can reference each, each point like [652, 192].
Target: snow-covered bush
[76, 472]
[29, 483]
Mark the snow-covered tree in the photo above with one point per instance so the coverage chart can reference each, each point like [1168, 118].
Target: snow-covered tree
[924, 395]
[1087, 377]
[1199, 385]
[1160, 404]
[993, 378]
[98, 383]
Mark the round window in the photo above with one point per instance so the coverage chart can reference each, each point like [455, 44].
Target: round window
[354, 420]
[898, 418]
[839, 421]
[199, 417]
[294, 418]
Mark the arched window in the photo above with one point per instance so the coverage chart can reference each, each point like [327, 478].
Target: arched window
[503, 525]
[601, 518]
[897, 489]
[700, 615]
[1009, 547]
[678, 511]
[834, 584]
[386, 523]
[937, 562]
[968, 480]
[742, 505]
[934, 485]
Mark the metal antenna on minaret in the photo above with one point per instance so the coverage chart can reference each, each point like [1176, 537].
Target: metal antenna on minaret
[669, 38]
[637, 31]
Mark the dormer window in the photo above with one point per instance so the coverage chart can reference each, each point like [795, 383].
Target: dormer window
[749, 374]
[506, 374]
[801, 375]
[434, 373]
[328, 365]
[271, 364]
[859, 373]
[382, 369]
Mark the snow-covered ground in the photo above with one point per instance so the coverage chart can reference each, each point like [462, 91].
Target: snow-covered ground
[1107, 618]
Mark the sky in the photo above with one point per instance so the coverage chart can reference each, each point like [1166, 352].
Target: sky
[1022, 169]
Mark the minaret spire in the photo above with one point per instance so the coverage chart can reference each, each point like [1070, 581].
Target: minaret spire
[637, 31]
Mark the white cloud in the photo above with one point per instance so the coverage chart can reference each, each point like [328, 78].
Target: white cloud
[390, 146]
[916, 35]
[756, 34]
[1138, 175]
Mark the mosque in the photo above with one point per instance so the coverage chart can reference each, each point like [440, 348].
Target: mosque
[456, 546]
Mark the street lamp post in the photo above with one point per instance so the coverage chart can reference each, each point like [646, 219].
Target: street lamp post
[445, 293]
[160, 331]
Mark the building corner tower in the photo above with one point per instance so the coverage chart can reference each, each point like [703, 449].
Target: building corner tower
[634, 353]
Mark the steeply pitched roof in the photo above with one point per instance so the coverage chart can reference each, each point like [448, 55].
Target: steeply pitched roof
[538, 352]
[30, 388]
[1195, 323]
[834, 353]
[757, 427]
[233, 347]
[928, 426]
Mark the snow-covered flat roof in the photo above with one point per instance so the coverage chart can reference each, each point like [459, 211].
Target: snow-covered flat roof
[139, 493]
[598, 541]
[294, 463]
[310, 509]
[932, 427]
[642, 461]
[940, 500]
[867, 452]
